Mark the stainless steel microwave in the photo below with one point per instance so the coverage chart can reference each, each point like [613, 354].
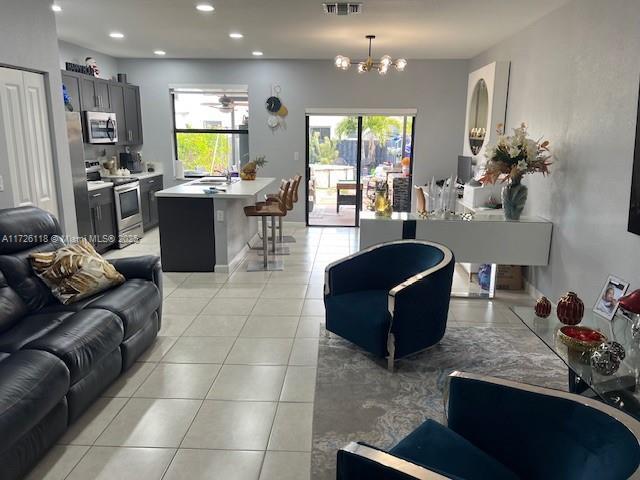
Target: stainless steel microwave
[102, 127]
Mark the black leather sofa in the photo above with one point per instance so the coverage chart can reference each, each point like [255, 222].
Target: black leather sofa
[56, 359]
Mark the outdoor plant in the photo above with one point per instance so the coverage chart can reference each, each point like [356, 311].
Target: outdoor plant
[325, 152]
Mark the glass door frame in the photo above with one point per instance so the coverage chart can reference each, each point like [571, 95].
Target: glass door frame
[359, 189]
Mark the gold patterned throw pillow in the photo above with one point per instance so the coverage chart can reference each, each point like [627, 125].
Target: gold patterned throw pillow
[74, 272]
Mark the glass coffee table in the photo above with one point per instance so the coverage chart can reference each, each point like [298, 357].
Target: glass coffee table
[620, 389]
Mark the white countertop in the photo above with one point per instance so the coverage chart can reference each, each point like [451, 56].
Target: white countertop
[91, 186]
[239, 189]
[146, 175]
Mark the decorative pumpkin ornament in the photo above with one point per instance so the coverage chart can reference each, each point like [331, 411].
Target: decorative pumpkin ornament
[570, 309]
[543, 307]
[606, 359]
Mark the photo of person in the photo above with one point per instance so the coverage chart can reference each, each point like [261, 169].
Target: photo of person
[607, 303]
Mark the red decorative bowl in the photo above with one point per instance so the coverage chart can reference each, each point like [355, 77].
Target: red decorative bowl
[631, 302]
[543, 307]
[570, 309]
[582, 339]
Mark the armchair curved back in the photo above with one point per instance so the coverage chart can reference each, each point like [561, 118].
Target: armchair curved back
[541, 433]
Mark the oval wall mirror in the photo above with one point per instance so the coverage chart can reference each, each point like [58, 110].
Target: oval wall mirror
[478, 116]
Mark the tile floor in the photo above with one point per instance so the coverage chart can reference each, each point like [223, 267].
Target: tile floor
[227, 390]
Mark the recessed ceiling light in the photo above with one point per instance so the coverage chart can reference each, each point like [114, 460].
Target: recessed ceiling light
[236, 35]
[205, 7]
[159, 52]
[56, 8]
[116, 35]
[257, 53]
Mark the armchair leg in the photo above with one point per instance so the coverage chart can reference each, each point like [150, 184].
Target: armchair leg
[391, 348]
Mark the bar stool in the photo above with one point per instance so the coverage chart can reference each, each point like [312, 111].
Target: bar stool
[274, 208]
[285, 196]
[292, 201]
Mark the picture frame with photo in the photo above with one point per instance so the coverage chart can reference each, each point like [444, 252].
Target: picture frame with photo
[607, 302]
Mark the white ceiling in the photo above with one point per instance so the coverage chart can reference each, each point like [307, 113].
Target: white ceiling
[296, 28]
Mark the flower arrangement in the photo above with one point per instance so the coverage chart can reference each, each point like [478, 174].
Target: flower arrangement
[515, 156]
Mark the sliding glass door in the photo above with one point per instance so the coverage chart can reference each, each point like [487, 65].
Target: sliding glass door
[347, 156]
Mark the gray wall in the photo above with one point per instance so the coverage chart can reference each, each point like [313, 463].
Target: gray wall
[436, 88]
[28, 40]
[70, 52]
[574, 79]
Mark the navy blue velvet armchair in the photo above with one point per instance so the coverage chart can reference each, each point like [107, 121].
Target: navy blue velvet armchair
[391, 299]
[503, 430]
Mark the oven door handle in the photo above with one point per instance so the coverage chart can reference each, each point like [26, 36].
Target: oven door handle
[126, 189]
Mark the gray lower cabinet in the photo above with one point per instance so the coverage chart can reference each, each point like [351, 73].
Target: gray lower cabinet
[103, 218]
[148, 188]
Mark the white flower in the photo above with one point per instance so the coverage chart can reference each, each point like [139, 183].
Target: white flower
[514, 151]
[490, 152]
[523, 166]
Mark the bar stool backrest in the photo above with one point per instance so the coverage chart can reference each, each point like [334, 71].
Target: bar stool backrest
[296, 186]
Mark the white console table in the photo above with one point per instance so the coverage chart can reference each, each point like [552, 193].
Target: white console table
[485, 239]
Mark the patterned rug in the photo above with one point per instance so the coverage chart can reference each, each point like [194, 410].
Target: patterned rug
[357, 399]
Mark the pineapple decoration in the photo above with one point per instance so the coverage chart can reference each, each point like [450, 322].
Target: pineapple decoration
[248, 172]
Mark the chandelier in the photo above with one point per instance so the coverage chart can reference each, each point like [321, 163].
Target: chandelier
[369, 65]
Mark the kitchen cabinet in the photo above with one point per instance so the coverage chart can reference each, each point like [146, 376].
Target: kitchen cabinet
[72, 82]
[148, 188]
[132, 115]
[116, 95]
[103, 218]
[95, 94]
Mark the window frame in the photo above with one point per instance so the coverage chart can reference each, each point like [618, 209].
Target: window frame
[176, 131]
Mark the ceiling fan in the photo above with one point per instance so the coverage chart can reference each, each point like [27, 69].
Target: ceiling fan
[226, 103]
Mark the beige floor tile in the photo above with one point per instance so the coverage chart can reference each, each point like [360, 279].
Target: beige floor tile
[304, 352]
[145, 422]
[240, 290]
[283, 291]
[315, 291]
[278, 306]
[199, 350]
[202, 279]
[57, 463]
[286, 466]
[184, 306]
[129, 381]
[231, 425]
[214, 465]
[249, 277]
[286, 277]
[159, 348]
[109, 463]
[299, 384]
[92, 423]
[195, 291]
[216, 326]
[313, 307]
[174, 325]
[270, 326]
[292, 427]
[229, 306]
[179, 380]
[309, 326]
[260, 351]
[248, 382]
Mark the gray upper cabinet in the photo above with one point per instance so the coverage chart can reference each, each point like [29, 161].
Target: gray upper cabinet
[95, 94]
[133, 120]
[116, 93]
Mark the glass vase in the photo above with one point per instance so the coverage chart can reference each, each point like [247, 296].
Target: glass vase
[514, 196]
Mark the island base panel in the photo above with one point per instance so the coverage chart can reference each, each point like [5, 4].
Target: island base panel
[187, 239]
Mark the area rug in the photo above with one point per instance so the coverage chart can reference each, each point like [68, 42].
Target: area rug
[357, 399]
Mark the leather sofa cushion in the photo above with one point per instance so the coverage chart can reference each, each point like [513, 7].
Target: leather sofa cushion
[82, 340]
[12, 308]
[26, 227]
[21, 277]
[439, 448]
[31, 384]
[362, 318]
[134, 302]
[30, 328]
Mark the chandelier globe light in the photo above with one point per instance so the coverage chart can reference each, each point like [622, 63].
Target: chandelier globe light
[369, 64]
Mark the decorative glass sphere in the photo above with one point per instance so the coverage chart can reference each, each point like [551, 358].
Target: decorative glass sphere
[401, 64]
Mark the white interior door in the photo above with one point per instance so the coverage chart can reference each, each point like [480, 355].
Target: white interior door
[12, 109]
[25, 125]
[39, 142]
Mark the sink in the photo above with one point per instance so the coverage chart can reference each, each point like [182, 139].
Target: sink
[215, 181]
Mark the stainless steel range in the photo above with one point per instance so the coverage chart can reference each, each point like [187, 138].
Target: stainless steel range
[128, 209]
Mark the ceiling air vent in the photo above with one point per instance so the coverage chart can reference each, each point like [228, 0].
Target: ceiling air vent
[342, 8]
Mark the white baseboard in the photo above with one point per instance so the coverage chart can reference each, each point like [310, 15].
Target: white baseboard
[235, 261]
[531, 290]
[295, 224]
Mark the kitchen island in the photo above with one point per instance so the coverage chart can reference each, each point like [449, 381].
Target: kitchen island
[204, 231]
